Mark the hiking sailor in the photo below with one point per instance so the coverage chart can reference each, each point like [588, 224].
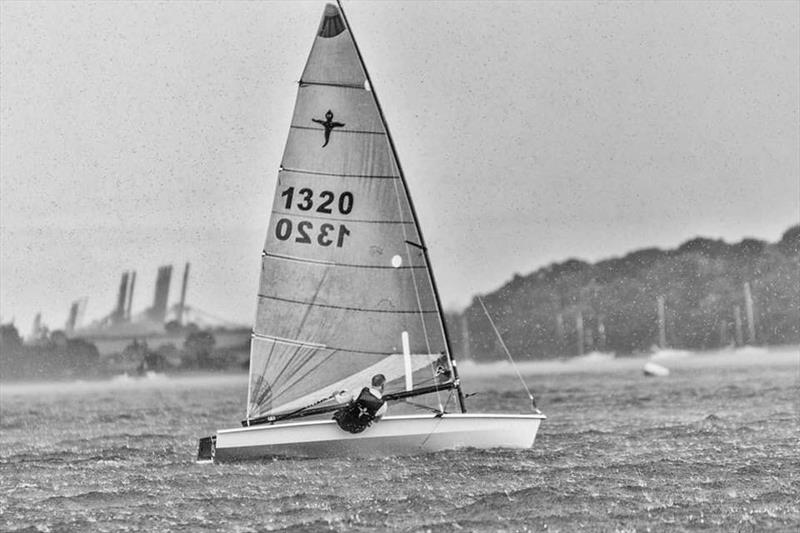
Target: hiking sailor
[367, 408]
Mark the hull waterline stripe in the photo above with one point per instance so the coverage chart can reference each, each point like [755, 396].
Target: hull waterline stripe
[319, 173]
[331, 263]
[344, 308]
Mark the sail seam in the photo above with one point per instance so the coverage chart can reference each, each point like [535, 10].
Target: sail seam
[334, 219]
[338, 130]
[345, 308]
[329, 263]
[318, 173]
[304, 83]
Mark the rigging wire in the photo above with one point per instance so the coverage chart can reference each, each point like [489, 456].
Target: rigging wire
[505, 348]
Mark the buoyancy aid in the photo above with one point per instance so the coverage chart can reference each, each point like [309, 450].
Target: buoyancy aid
[357, 416]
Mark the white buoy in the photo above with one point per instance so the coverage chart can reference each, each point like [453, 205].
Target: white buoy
[652, 369]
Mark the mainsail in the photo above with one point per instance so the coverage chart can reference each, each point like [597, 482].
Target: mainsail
[345, 277]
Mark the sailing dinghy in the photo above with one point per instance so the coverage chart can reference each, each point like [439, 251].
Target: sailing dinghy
[347, 290]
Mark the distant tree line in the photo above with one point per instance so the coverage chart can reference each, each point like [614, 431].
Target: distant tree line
[713, 294]
[704, 285]
[55, 356]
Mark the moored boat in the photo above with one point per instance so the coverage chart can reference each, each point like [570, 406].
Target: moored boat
[654, 370]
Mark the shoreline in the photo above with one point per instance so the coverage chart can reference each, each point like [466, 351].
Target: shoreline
[675, 360]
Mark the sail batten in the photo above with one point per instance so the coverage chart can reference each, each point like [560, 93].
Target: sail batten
[306, 83]
[341, 219]
[343, 266]
[337, 175]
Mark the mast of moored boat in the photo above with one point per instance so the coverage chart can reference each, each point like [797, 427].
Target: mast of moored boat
[662, 324]
[422, 245]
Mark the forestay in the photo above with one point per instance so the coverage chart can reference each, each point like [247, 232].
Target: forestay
[344, 272]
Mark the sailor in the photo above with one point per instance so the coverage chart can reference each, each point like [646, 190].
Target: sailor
[367, 408]
[371, 398]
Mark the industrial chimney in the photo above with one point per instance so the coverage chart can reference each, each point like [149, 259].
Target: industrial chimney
[131, 285]
[182, 305]
[158, 312]
[119, 313]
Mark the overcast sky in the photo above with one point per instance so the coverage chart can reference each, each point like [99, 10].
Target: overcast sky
[141, 134]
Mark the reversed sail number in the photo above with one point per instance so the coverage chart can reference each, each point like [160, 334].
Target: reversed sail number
[326, 198]
[327, 235]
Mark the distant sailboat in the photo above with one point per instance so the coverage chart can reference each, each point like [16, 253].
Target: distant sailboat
[347, 291]
[652, 369]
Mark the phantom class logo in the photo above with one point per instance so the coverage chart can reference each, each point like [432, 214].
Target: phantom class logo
[328, 124]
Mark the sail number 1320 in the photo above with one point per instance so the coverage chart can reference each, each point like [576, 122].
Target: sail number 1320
[304, 232]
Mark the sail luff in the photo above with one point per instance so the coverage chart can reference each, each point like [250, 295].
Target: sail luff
[250, 378]
[413, 210]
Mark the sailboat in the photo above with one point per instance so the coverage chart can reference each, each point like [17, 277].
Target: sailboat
[347, 291]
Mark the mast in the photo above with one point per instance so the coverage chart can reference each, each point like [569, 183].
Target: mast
[601, 334]
[413, 212]
[748, 306]
[560, 334]
[737, 319]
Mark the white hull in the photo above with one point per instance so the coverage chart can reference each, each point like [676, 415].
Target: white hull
[652, 369]
[393, 435]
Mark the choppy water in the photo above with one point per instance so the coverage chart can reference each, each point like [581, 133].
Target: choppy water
[714, 446]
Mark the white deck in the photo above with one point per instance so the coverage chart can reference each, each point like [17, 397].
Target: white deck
[393, 435]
